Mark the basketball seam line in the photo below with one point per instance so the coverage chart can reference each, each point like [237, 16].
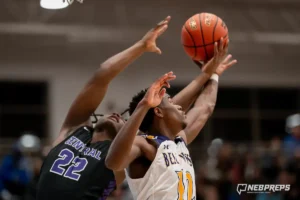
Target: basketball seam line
[203, 45]
[203, 40]
[195, 50]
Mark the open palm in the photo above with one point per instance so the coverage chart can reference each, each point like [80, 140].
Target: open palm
[149, 39]
[156, 92]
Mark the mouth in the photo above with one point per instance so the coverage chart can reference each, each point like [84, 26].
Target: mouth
[114, 118]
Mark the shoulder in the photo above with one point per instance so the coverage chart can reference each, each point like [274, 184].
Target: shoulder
[81, 129]
[141, 142]
[76, 131]
[156, 140]
[147, 148]
[181, 137]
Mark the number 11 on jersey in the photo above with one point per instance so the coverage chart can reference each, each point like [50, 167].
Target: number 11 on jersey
[182, 188]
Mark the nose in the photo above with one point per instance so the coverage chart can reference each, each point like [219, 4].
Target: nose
[116, 114]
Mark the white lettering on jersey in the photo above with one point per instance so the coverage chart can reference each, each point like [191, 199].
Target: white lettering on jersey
[170, 177]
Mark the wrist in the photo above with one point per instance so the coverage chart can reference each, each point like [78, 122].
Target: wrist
[141, 44]
[210, 68]
[143, 104]
[215, 77]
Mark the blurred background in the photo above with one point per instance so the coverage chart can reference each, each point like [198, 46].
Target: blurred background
[46, 56]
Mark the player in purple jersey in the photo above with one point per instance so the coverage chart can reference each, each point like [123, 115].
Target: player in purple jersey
[75, 168]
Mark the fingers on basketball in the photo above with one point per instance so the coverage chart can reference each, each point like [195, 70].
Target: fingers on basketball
[216, 50]
[221, 45]
[226, 44]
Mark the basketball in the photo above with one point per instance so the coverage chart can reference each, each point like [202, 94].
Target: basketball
[200, 32]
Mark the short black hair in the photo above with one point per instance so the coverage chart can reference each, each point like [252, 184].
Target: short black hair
[148, 120]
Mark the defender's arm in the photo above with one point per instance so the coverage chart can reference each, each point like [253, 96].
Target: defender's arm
[126, 146]
[94, 91]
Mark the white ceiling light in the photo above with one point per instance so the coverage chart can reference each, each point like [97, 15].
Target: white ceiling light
[54, 4]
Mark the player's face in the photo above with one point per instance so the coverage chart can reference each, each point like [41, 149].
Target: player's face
[111, 123]
[173, 114]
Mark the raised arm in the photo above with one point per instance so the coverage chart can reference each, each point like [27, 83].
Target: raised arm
[205, 103]
[186, 97]
[126, 146]
[203, 108]
[94, 91]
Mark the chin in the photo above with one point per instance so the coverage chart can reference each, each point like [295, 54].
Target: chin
[184, 124]
[110, 126]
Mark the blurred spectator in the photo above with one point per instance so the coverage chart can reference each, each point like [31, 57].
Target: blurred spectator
[292, 176]
[15, 174]
[17, 168]
[292, 142]
[31, 188]
[227, 165]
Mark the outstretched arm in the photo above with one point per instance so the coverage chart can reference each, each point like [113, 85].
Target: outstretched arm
[94, 91]
[205, 103]
[126, 146]
[203, 108]
[186, 97]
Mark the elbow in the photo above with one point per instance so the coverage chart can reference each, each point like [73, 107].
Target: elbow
[112, 164]
[105, 66]
[103, 73]
[210, 108]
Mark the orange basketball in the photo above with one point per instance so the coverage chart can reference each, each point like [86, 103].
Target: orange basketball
[200, 32]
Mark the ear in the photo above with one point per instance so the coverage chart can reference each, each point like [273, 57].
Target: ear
[158, 112]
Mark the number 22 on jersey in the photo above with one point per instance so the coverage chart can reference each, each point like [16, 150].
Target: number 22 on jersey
[182, 188]
[74, 165]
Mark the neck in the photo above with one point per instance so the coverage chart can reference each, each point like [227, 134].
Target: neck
[100, 136]
[160, 128]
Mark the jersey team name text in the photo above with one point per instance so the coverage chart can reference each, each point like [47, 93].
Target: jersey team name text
[81, 147]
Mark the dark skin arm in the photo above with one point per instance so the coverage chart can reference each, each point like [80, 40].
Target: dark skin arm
[202, 110]
[120, 177]
[186, 97]
[205, 103]
[94, 91]
[126, 146]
